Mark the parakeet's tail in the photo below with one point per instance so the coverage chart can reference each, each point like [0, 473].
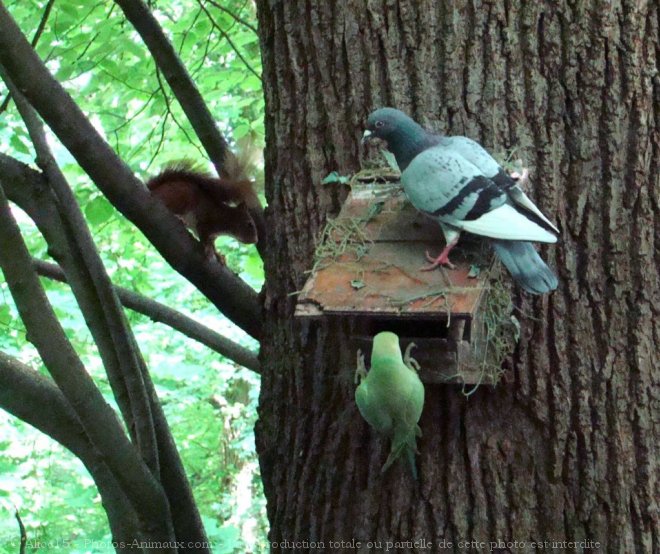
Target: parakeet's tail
[525, 265]
[410, 457]
[404, 444]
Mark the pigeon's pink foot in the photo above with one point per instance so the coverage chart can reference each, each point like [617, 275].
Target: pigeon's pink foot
[522, 178]
[442, 259]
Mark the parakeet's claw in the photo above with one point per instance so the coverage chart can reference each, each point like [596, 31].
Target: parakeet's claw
[361, 371]
[411, 362]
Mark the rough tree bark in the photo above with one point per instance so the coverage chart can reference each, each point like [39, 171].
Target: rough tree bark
[565, 448]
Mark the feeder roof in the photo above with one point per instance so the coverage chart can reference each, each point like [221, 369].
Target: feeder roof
[369, 263]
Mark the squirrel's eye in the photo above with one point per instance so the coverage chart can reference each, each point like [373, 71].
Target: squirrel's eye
[379, 124]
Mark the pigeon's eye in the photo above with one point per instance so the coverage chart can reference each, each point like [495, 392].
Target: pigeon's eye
[379, 124]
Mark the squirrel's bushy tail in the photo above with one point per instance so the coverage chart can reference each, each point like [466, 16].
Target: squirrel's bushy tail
[239, 166]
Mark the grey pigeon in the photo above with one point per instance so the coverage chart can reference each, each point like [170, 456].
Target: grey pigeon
[456, 182]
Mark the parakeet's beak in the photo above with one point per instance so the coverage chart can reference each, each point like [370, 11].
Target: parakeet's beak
[366, 137]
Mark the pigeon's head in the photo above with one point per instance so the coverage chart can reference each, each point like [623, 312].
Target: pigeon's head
[387, 124]
[404, 138]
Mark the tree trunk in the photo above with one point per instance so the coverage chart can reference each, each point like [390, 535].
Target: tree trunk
[565, 447]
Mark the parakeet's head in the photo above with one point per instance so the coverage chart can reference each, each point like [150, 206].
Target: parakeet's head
[386, 344]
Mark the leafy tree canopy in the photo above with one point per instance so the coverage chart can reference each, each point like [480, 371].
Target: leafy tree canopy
[210, 402]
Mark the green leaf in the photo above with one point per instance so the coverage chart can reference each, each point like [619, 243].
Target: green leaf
[474, 272]
[241, 131]
[254, 267]
[389, 157]
[98, 211]
[334, 177]
[229, 539]
[252, 82]
[358, 284]
[5, 315]
[516, 328]
[374, 210]
[18, 145]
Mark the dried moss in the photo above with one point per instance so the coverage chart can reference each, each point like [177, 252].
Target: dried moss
[502, 331]
[375, 176]
[344, 235]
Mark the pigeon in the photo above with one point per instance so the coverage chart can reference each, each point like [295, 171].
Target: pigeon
[391, 397]
[455, 181]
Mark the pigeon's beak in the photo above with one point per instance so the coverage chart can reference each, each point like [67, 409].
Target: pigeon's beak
[366, 137]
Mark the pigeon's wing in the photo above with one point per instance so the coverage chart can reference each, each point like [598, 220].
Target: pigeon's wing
[507, 223]
[521, 200]
[479, 156]
[372, 408]
[476, 154]
[442, 183]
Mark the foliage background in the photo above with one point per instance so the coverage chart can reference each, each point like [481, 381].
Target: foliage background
[209, 401]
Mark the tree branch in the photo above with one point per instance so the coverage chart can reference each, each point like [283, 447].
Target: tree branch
[225, 290]
[25, 187]
[97, 417]
[178, 78]
[94, 293]
[29, 191]
[21, 531]
[164, 314]
[25, 394]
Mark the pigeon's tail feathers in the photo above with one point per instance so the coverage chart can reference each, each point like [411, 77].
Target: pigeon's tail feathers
[526, 266]
[505, 222]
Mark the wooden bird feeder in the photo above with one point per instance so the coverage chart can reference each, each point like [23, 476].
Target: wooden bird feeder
[367, 268]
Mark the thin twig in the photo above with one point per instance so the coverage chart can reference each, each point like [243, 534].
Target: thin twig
[234, 16]
[35, 40]
[164, 314]
[21, 528]
[228, 39]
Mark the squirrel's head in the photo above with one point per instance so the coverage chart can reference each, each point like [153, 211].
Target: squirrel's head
[244, 229]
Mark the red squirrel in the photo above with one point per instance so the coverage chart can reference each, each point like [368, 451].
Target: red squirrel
[210, 206]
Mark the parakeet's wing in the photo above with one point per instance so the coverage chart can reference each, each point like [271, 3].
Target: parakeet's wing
[372, 410]
[406, 431]
[413, 403]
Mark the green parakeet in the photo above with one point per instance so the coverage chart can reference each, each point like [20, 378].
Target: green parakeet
[391, 396]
